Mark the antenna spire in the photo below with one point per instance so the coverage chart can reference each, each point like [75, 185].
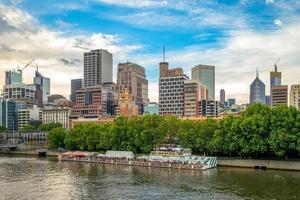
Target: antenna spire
[164, 54]
[276, 64]
[257, 74]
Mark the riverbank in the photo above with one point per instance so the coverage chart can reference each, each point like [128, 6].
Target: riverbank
[259, 164]
[222, 161]
[29, 153]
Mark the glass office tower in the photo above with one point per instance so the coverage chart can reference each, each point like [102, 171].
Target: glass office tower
[206, 75]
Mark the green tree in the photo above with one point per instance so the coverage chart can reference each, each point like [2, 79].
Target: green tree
[226, 137]
[56, 137]
[49, 127]
[2, 129]
[28, 129]
[285, 131]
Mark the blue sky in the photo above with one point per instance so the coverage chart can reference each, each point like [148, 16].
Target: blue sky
[237, 36]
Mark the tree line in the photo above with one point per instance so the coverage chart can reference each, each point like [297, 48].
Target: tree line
[260, 131]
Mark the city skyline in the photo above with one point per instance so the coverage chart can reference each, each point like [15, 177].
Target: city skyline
[57, 39]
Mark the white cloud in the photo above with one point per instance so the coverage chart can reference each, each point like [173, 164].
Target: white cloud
[23, 38]
[63, 25]
[239, 57]
[136, 3]
[269, 1]
[154, 14]
[16, 2]
[278, 22]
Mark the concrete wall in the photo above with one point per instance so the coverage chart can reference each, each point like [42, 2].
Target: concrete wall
[261, 164]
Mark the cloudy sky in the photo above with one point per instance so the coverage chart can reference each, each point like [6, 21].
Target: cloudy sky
[237, 36]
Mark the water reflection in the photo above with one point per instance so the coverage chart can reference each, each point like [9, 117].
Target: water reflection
[31, 178]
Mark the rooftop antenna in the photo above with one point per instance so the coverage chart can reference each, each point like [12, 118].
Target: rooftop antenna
[164, 54]
[276, 64]
[257, 74]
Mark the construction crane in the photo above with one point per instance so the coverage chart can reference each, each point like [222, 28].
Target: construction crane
[276, 64]
[21, 70]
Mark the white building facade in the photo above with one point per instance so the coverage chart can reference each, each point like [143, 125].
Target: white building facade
[57, 115]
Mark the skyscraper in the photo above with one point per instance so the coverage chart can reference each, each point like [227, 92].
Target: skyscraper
[222, 96]
[12, 77]
[295, 96]
[194, 92]
[275, 79]
[9, 114]
[132, 76]
[257, 91]
[42, 87]
[171, 90]
[76, 84]
[206, 75]
[97, 67]
[91, 102]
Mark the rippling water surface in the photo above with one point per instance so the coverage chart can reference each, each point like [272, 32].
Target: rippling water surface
[33, 178]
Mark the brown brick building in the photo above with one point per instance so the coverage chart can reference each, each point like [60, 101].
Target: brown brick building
[132, 77]
[92, 102]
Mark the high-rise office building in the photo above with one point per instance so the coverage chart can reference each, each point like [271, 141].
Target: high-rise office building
[20, 92]
[132, 77]
[275, 79]
[42, 88]
[222, 96]
[206, 75]
[12, 77]
[171, 95]
[93, 102]
[97, 68]
[257, 91]
[194, 92]
[76, 84]
[279, 95]
[9, 114]
[295, 96]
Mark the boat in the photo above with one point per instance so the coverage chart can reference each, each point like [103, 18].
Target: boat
[164, 157]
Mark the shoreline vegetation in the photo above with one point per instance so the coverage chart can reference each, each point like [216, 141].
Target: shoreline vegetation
[258, 132]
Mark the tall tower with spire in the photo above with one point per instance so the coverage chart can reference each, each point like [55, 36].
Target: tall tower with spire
[257, 91]
[163, 66]
[275, 77]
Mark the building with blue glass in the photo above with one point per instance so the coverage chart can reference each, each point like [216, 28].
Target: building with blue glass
[9, 114]
[206, 75]
[257, 91]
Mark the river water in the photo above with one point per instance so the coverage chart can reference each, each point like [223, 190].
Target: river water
[35, 179]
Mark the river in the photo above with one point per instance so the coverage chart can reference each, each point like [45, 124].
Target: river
[44, 178]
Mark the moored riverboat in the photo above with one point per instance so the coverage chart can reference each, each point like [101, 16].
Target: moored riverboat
[163, 158]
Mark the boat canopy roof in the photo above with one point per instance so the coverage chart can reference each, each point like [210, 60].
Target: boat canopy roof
[120, 154]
